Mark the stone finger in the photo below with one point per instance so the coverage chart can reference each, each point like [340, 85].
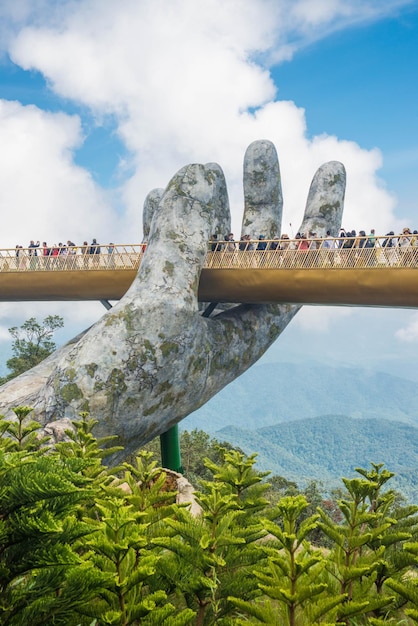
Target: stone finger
[325, 203]
[194, 202]
[151, 203]
[263, 200]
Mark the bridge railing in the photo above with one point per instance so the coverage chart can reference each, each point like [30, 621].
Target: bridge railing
[330, 253]
[71, 258]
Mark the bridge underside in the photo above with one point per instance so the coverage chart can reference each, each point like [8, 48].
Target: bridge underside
[391, 287]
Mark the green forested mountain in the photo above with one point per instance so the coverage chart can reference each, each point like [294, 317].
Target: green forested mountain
[309, 421]
[325, 448]
[279, 392]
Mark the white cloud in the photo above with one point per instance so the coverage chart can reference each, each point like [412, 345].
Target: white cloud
[42, 192]
[409, 333]
[77, 317]
[315, 319]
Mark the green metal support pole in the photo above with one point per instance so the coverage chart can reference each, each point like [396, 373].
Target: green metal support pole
[170, 449]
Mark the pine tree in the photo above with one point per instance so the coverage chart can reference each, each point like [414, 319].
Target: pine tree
[294, 589]
[213, 555]
[21, 432]
[129, 515]
[394, 561]
[83, 445]
[41, 575]
[357, 556]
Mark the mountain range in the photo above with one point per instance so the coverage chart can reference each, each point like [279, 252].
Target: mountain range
[313, 422]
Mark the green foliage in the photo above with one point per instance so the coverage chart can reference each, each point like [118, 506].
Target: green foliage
[365, 544]
[32, 344]
[40, 570]
[213, 555]
[81, 545]
[129, 514]
[292, 575]
[195, 447]
[21, 433]
[81, 444]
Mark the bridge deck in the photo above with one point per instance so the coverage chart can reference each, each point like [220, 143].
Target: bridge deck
[359, 277]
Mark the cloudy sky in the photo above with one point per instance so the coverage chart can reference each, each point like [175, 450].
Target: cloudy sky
[101, 101]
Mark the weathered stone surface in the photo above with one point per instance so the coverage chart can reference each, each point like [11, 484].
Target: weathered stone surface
[153, 359]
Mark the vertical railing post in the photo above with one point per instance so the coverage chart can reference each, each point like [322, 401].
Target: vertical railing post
[170, 449]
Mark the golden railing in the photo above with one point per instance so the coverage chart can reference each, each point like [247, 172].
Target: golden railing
[343, 253]
[119, 257]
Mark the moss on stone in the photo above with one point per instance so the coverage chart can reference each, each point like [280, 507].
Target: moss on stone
[259, 177]
[116, 382]
[337, 178]
[85, 406]
[168, 400]
[165, 386]
[152, 409]
[70, 392]
[91, 369]
[70, 373]
[149, 347]
[131, 402]
[126, 316]
[132, 363]
[169, 268]
[168, 347]
[274, 331]
[328, 210]
[198, 365]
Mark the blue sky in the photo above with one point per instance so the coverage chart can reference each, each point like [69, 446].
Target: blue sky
[361, 84]
[102, 101]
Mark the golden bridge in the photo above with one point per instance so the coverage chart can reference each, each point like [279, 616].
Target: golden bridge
[283, 272]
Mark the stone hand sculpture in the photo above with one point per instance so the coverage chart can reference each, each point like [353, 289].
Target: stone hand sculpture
[153, 359]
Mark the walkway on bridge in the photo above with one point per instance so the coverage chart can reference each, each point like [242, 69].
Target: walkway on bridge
[281, 273]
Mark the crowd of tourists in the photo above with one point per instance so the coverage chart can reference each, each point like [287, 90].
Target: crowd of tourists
[35, 248]
[44, 256]
[311, 241]
[308, 249]
[345, 249]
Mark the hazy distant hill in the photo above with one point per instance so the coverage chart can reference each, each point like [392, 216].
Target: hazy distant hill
[329, 447]
[279, 392]
[355, 417]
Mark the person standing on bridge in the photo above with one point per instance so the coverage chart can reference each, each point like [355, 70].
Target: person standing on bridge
[94, 247]
[110, 252]
[95, 251]
[20, 258]
[84, 251]
[372, 238]
[405, 246]
[32, 252]
[328, 245]
[46, 253]
[389, 244]
[230, 249]
[372, 242]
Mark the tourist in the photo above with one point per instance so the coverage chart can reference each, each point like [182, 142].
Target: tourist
[404, 243]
